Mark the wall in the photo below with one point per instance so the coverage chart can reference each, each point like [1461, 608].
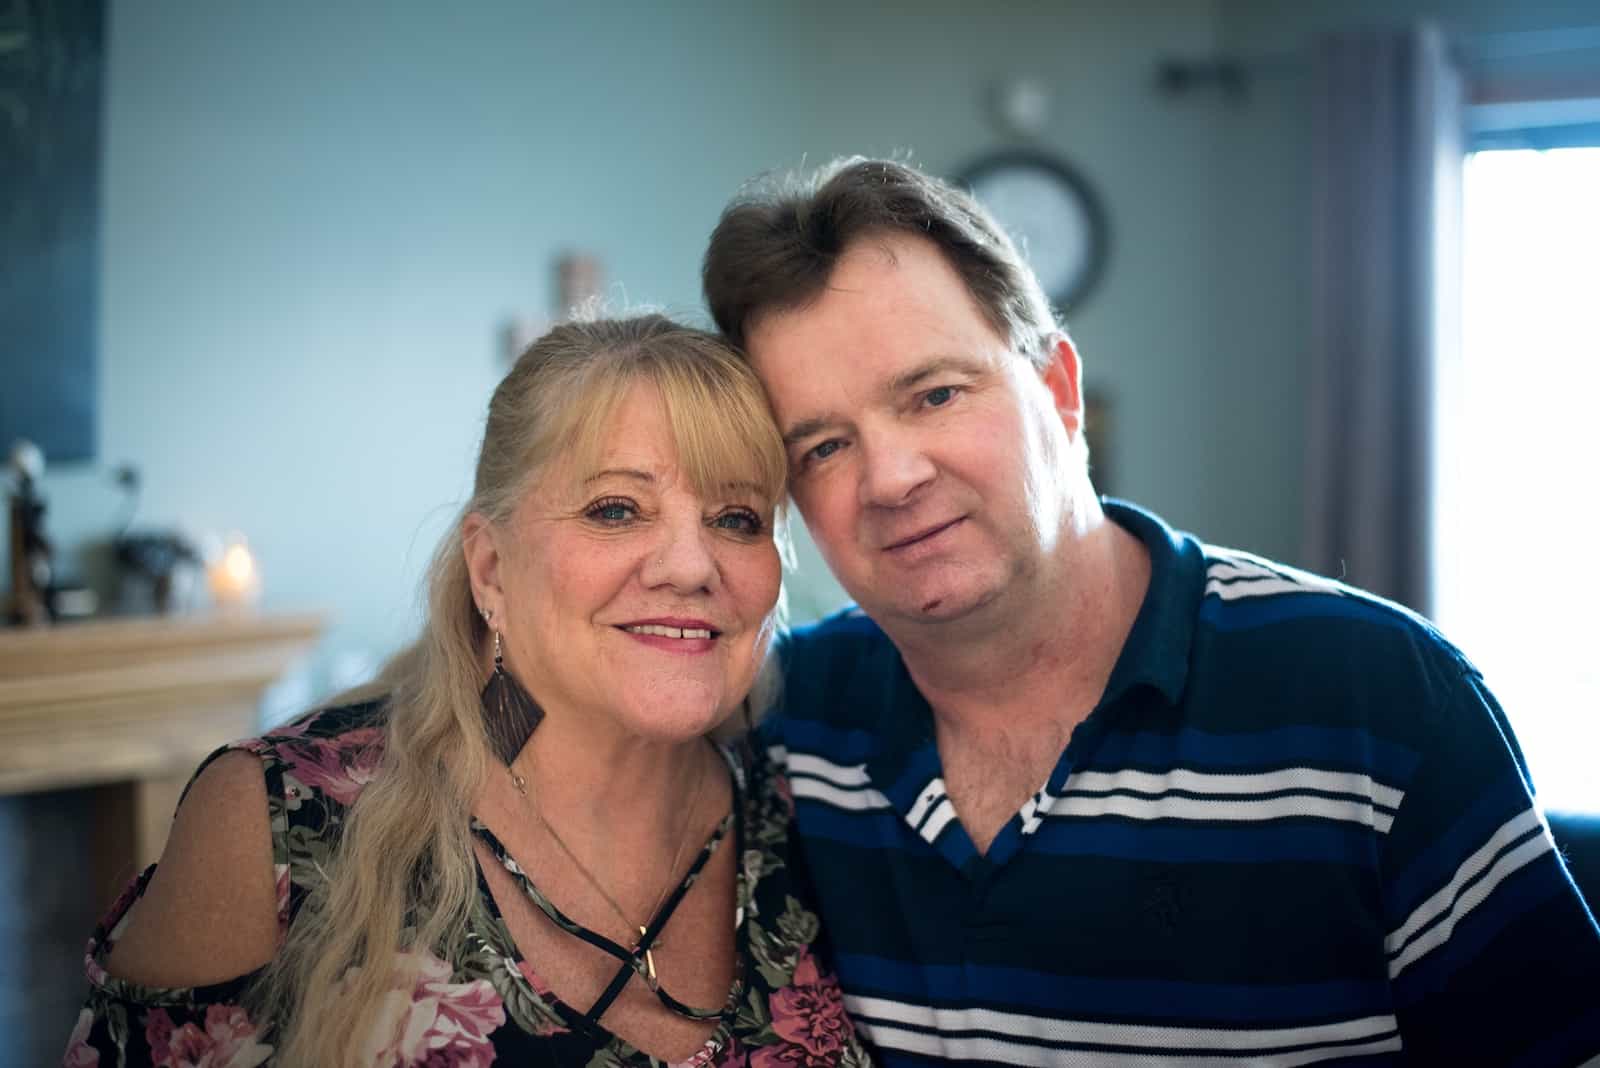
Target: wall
[317, 218]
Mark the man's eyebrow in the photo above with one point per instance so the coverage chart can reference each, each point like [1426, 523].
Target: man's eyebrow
[915, 376]
[900, 383]
[620, 472]
[805, 428]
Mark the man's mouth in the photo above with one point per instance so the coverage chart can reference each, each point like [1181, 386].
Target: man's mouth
[922, 535]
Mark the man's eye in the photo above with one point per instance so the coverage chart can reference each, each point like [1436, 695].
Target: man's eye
[939, 396]
[612, 510]
[824, 450]
[741, 520]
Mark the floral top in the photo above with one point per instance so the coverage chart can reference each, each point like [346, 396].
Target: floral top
[485, 1005]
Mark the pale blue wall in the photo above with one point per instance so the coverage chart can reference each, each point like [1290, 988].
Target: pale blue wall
[316, 217]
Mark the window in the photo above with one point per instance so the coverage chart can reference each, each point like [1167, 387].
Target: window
[1518, 527]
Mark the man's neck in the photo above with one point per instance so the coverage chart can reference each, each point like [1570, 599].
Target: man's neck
[1006, 704]
[1046, 652]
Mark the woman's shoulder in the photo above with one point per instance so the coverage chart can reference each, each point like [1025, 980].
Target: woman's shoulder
[208, 912]
[323, 759]
[249, 841]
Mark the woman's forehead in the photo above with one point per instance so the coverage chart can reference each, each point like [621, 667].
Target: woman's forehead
[650, 458]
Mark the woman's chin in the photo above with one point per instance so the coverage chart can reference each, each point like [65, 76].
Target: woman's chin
[670, 721]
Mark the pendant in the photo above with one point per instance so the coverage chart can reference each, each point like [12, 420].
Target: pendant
[649, 965]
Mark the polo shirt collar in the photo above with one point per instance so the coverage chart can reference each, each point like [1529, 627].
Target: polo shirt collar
[1156, 653]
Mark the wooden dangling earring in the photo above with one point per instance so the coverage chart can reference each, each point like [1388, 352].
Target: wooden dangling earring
[510, 712]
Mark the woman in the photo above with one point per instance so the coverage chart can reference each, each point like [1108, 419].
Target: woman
[553, 866]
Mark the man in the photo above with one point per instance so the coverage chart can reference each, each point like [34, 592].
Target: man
[1073, 787]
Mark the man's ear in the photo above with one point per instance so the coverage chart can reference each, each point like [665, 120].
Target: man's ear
[1063, 377]
[482, 553]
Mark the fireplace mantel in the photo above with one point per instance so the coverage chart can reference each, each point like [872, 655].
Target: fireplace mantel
[130, 706]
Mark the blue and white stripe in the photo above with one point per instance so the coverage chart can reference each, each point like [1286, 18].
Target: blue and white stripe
[1233, 575]
[1517, 842]
[988, 1035]
[1186, 794]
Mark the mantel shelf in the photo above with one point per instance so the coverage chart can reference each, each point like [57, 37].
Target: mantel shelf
[134, 698]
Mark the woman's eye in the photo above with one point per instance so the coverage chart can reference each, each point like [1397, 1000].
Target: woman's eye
[741, 520]
[939, 396]
[614, 510]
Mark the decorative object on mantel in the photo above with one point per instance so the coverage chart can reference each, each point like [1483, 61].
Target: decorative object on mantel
[157, 571]
[30, 549]
[234, 577]
[38, 593]
[580, 278]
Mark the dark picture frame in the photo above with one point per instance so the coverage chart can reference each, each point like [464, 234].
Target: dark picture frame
[51, 72]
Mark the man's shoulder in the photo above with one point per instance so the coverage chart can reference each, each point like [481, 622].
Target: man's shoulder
[1293, 622]
[834, 665]
[1244, 590]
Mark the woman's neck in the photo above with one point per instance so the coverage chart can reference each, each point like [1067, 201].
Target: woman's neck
[590, 781]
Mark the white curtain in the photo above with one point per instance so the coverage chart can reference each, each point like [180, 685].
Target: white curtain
[1388, 152]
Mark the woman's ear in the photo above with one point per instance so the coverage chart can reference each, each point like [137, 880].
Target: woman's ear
[482, 553]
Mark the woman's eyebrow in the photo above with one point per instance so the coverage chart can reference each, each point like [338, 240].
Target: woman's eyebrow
[621, 472]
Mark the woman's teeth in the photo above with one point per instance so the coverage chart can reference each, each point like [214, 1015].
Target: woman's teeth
[668, 632]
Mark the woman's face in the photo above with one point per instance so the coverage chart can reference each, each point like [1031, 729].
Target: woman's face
[626, 595]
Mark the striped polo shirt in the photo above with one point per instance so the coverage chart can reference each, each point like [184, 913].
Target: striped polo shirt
[1295, 830]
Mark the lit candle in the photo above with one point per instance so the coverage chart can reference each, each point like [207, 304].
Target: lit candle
[234, 578]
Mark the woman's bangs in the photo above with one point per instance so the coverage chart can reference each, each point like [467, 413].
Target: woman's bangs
[723, 431]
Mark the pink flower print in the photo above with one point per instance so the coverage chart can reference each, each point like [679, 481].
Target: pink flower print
[436, 1023]
[339, 767]
[549, 1023]
[228, 1041]
[809, 1016]
[79, 1054]
[712, 1055]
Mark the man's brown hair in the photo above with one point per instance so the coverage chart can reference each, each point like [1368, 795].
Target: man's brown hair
[778, 242]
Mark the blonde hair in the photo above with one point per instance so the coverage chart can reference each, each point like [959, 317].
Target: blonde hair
[403, 876]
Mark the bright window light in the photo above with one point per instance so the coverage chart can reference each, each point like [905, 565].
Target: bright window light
[1519, 422]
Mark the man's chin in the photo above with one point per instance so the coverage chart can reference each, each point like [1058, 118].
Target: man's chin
[936, 606]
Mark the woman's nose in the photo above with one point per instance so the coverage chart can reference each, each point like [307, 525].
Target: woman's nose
[681, 559]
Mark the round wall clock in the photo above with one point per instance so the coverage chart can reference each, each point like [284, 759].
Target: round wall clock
[1052, 214]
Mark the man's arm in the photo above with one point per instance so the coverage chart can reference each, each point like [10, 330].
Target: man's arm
[1493, 956]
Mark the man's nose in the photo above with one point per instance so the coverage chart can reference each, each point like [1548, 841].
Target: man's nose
[895, 465]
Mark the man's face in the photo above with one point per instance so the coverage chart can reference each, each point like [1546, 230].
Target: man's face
[928, 459]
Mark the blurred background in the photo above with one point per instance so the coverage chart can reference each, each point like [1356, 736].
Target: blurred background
[264, 264]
